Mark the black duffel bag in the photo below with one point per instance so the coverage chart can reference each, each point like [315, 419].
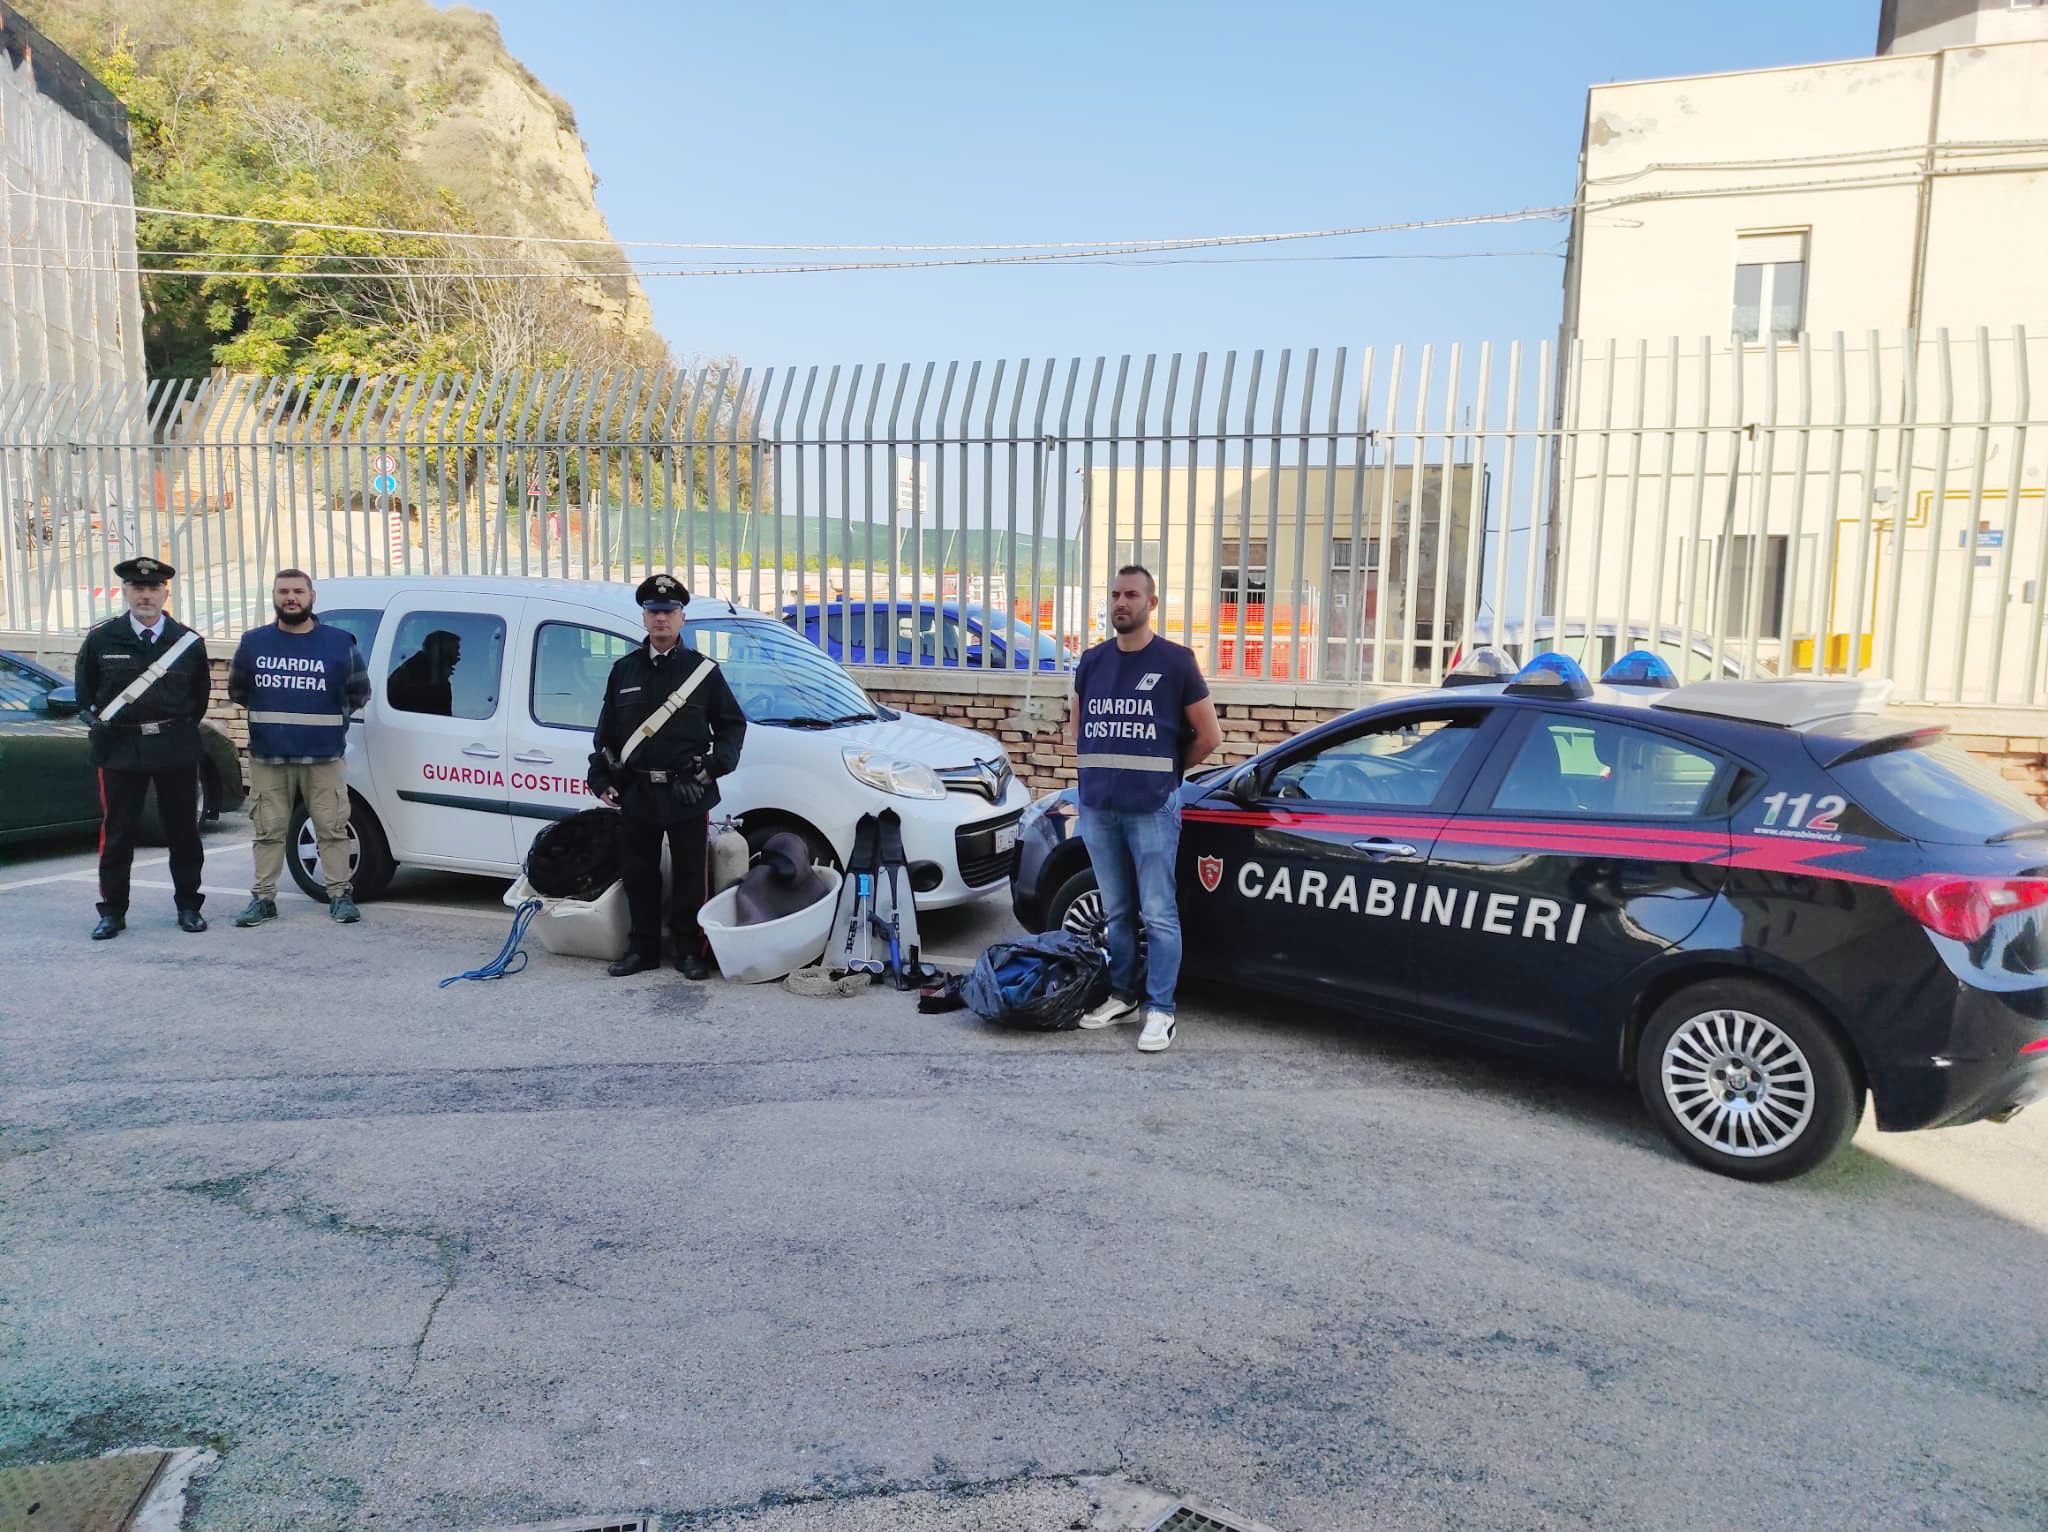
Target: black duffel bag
[578, 857]
[1042, 983]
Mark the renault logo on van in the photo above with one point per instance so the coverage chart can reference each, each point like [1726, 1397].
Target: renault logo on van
[990, 778]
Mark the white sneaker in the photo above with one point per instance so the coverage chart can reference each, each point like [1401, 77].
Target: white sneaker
[1158, 1034]
[1109, 1013]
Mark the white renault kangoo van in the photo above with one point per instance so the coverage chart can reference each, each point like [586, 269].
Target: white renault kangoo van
[488, 737]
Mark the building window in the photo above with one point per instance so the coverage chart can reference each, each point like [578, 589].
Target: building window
[1247, 584]
[1770, 286]
[1149, 556]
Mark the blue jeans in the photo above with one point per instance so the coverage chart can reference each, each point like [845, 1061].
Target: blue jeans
[1133, 854]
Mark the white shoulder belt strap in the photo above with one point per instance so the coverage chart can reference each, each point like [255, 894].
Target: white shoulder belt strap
[667, 710]
[151, 676]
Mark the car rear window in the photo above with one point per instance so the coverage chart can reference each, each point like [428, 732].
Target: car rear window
[1936, 792]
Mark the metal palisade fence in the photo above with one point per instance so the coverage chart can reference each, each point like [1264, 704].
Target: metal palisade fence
[1822, 506]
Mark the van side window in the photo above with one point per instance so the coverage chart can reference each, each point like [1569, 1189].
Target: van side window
[447, 664]
[570, 666]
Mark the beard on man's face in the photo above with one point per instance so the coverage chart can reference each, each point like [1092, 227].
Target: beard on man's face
[291, 614]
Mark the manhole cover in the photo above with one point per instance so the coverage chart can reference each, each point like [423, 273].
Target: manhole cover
[82, 1495]
[1188, 1518]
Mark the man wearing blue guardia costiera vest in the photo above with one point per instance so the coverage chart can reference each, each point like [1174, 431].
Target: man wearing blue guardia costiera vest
[300, 680]
[1142, 718]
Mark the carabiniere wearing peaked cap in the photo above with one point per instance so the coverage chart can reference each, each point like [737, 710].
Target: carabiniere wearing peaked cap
[143, 571]
[668, 729]
[143, 684]
[662, 593]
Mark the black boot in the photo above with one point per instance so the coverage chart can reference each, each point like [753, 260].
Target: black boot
[632, 963]
[110, 926]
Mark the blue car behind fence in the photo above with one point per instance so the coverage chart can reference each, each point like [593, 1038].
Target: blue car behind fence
[938, 633]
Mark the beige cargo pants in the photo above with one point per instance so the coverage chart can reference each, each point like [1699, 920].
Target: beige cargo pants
[272, 790]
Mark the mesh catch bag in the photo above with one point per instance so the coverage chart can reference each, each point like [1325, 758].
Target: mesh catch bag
[578, 857]
[1040, 983]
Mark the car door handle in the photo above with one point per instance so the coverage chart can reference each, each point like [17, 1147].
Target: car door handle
[484, 752]
[533, 758]
[1379, 845]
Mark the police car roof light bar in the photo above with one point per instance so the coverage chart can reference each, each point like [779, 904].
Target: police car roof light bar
[1484, 666]
[1551, 675]
[1639, 667]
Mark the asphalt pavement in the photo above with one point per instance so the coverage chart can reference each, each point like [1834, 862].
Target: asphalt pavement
[562, 1245]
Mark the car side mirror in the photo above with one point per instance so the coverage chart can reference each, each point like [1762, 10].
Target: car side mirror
[61, 702]
[1244, 788]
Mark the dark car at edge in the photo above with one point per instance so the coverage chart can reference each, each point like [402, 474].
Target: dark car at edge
[47, 783]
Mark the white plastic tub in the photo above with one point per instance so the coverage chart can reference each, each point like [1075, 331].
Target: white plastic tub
[575, 927]
[757, 954]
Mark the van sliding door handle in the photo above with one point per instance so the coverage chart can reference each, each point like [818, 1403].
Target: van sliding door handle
[533, 758]
[482, 752]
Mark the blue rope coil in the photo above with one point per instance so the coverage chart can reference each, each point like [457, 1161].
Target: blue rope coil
[511, 957]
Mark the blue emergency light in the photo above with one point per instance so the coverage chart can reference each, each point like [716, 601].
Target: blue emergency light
[1551, 675]
[1639, 667]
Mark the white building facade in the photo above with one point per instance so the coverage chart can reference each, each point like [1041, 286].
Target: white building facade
[1815, 301]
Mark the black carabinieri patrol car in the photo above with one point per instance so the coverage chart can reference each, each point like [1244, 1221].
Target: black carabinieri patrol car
[1762, 900]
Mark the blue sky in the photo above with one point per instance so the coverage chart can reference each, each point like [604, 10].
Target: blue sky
[1057, 120]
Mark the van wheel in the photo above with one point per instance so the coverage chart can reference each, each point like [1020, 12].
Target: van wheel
[369, 853]
[1747, 1080]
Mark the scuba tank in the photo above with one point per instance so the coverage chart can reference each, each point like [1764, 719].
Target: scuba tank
[729, 855]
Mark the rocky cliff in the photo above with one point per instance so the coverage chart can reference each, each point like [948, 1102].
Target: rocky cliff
[383, 112]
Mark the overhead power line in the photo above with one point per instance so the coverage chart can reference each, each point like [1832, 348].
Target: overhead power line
[1043, 253]
[560, 274]
[1081, 248]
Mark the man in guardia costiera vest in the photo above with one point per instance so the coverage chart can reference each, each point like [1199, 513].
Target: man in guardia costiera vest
[300, 679]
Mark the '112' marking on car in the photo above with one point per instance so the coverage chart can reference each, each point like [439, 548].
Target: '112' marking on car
[1427, 903]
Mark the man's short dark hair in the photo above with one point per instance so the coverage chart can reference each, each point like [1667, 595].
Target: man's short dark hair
[291, 574]
[1151, 585]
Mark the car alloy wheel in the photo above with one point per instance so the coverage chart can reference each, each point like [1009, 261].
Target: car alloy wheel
[1084, 915]
[1737, 1083]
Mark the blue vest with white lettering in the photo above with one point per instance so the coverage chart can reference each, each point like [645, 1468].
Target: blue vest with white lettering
[298, 691]
[1132, 710]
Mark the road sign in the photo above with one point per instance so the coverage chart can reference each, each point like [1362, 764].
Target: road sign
[384, 484]
[384, 462]
[533, 489]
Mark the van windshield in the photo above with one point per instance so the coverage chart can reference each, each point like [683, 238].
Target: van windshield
[778, 677]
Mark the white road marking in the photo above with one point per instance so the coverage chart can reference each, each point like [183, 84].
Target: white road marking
[91, 875]
[377, 904]
[55, 877]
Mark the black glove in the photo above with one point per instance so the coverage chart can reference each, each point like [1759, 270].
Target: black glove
[690, 782]
[90, 719]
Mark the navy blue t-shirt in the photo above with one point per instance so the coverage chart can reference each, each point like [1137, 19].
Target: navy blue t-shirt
[1132, 709]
